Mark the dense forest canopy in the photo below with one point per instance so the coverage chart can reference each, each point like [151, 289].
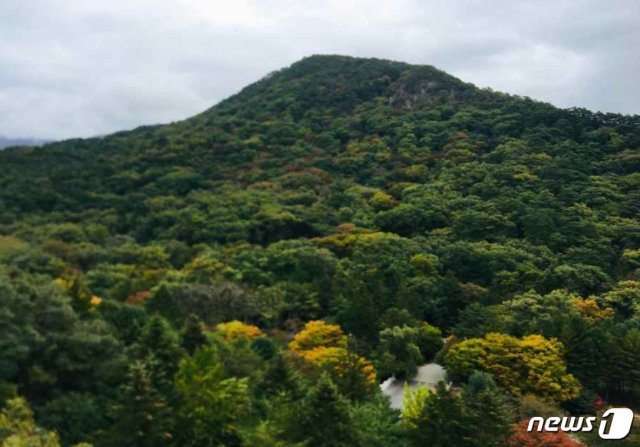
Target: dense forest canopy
[249, 275]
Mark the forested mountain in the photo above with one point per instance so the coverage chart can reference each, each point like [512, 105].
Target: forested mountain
[247, 276]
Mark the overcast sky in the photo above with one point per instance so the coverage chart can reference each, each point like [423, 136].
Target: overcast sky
[87, 67]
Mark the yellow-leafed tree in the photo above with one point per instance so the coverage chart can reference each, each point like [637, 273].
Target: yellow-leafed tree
[323, 347]
[234, 330]
[533, 364]
[318, 333]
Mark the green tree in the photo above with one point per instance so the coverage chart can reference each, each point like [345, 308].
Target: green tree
[435, 418]
[143, 416]
[77, 417]
[398, 352]
[159, 348]
[192, 335]
[212, 408]
[377, 425]
[487, 410]
[428, 340]
[323, 407]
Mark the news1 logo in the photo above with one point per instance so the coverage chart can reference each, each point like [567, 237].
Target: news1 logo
[615, 423]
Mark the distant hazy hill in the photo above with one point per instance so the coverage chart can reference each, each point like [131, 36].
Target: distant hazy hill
[8, 142]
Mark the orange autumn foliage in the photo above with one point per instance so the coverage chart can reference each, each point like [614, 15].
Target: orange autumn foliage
[138, 298]
[590, 310]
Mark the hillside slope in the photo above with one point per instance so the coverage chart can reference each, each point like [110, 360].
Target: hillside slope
[358, 120]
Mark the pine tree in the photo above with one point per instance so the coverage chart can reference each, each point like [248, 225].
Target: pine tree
[487, 411]
[212, 407]
[280, 378]
[192, 335]
[143, 418]
[436, 418]
[158, 347]
[324, 419]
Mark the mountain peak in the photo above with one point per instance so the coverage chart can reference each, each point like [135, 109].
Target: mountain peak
[341, 83]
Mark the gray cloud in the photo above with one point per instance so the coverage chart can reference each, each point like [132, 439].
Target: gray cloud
[80, 68]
